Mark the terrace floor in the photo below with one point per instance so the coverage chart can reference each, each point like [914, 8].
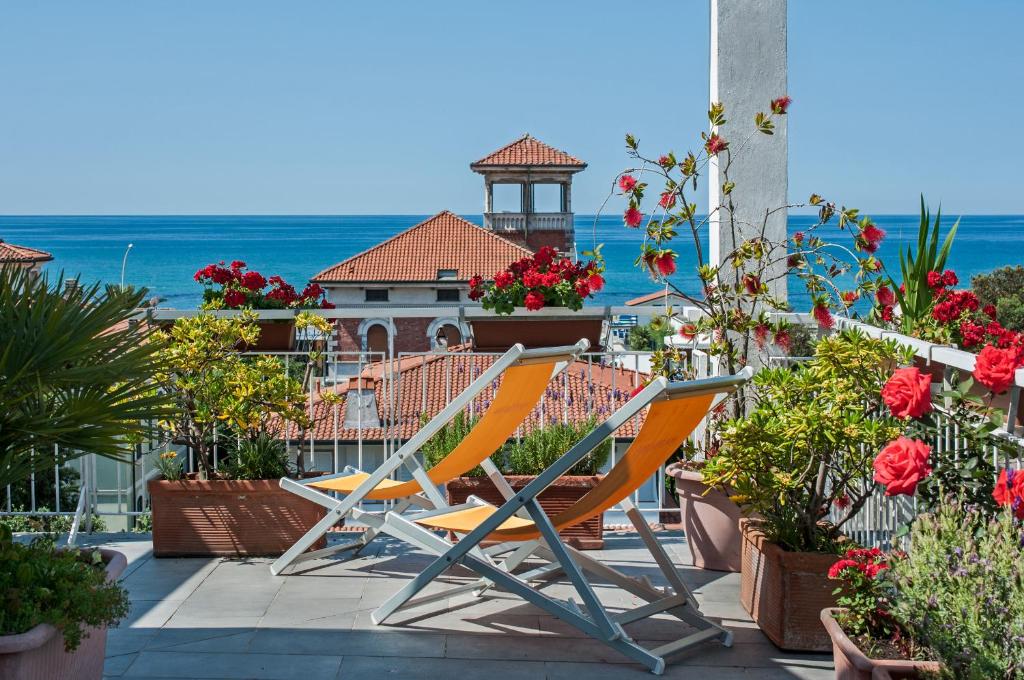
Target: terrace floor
[229, 618]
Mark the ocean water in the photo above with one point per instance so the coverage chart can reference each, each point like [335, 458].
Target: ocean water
[169, 249]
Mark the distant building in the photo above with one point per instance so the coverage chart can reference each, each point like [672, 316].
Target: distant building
[22, 256]
[527, 205]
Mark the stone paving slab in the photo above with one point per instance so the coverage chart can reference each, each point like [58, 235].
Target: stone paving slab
[221, 618]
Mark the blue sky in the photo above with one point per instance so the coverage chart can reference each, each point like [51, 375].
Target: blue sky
[346, 108]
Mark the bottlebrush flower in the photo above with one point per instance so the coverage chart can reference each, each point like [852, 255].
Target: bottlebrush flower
[781, 105]
[761, 331]
[666, 263]
[887, 313]
[871, 237]
[633, 217]
[688, 331]
[665, 162]
[715, 144]
[901, 465]
[994, 368]
[822, 315]
[908, 393]
[667, 200]
[885, 296]
[842, 502]
[784, 340]
[752, 283]
[798, 238]
[534, 301]
[627, 183]
[849, 297]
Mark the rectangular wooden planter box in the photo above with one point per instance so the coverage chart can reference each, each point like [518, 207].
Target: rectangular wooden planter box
[500, 333]
[564, 492]
[784, 592]
[228, 518]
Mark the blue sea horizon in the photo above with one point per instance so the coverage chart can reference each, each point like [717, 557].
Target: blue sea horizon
[168, 249]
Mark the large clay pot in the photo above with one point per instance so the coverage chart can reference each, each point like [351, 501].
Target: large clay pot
[564, 492]
[231, 518]
[853, 664]
[38, 654]
[784, 592]
[498, 333]
[710, 522]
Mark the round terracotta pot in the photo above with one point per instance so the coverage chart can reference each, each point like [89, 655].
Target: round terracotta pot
[710, 522]
[38, 654]
[853, 664]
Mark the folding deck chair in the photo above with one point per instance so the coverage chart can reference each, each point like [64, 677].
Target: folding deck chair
[526, 375]
[676, 409]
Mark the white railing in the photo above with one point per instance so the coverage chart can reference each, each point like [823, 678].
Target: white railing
[525, 222]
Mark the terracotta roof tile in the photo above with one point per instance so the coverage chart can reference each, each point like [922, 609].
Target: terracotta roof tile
[425, 386]
[657, 296]
[529, 152]
[445, 241]
[20, 254]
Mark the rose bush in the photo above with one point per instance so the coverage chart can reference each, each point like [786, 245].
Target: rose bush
[901, 464]
[908, 393]
[995, 368]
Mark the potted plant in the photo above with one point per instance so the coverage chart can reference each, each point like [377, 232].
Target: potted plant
[521, 461]
[544, 281]
[76, 370]
[236, 287]
[709, 517]
[245, 403]
[806, 448]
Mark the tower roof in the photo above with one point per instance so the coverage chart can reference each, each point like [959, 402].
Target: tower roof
[528, 151]
[445, 242]
[20, 254]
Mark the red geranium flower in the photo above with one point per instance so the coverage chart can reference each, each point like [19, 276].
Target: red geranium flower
[901, 465]
[633, 217]
[596, 282]
[949, 278]
[935, 280]
[534, 301]
[234, 298]
[627, 183]
[994, 368]
[504, 279]
[990, 311]
[908, 393]
[781, 105]
[715, 144]
[253, 281]
[1009, 490]
[885, 296]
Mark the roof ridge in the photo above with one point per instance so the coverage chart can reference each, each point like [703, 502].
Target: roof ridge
[527, 136]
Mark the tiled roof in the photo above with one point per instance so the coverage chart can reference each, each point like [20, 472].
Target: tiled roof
[426, 385]
[656, 296]
[20, 254]
[528, 152]
[445, 241]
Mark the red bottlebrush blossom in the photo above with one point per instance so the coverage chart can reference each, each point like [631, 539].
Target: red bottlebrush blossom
[752, 283]
[234, 298]
[887, 313]
[666, 263]
[935, 280]
[534, 301]
[949, 278]
[871, 236]
[761, 331]
[781, 105]
[664, 161]
[885, 296]
[253, 281]
[908, 393]
[715, 144]
[1009, 490]
[901, 465]
[667, 200]
[842, 502]
[794, 260]
[784, 340]
[627, 183]
[596, 282]
[633, 217]
[798, 238]
[994, 368]
[688, 331]
[822, 315]
[849, 297]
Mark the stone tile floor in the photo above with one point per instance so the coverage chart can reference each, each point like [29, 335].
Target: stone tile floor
[229, 618]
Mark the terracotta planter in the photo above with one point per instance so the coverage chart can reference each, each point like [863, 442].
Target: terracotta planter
[784, 592]
[564, 492]
[501, 332]
[231, 518]
[275, 336]
[935, 369]
[710, 522]
[39, 654]
[852, 664]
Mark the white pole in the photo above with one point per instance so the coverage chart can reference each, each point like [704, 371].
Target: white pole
[124, 262]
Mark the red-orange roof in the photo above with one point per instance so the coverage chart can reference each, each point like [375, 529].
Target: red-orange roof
[424, 386]
[528, 152]
[21, 254]
[443, 242]
[656, 296]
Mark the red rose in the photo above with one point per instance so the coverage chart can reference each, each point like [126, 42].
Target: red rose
[666, 263]
[908, 393]
[901, 465]
[1009, 490]
[633, 217]
[715, 144]
[994, 368]
[627, 183]
[534, 301]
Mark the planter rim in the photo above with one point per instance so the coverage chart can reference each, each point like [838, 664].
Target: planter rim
[679, 472]
[564, 481]
[750, 526]
[250, 485]
[856, 656]
[41, 633]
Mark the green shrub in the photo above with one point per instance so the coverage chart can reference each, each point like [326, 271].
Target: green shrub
[264, 457]
[960, 590]
[649, 337]
[1010, 312]
[46, 524]
[446, 439]
[541, 447]
[1004, 288]
[64, 588]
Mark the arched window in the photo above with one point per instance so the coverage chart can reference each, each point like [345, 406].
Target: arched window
[377, 339]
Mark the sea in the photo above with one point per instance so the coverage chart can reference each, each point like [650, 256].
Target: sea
[167, 250]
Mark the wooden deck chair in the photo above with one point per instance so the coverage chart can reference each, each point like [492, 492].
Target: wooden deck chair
[676, 409]
[525, 375]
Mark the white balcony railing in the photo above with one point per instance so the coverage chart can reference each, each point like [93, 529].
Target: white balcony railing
[520, 222]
